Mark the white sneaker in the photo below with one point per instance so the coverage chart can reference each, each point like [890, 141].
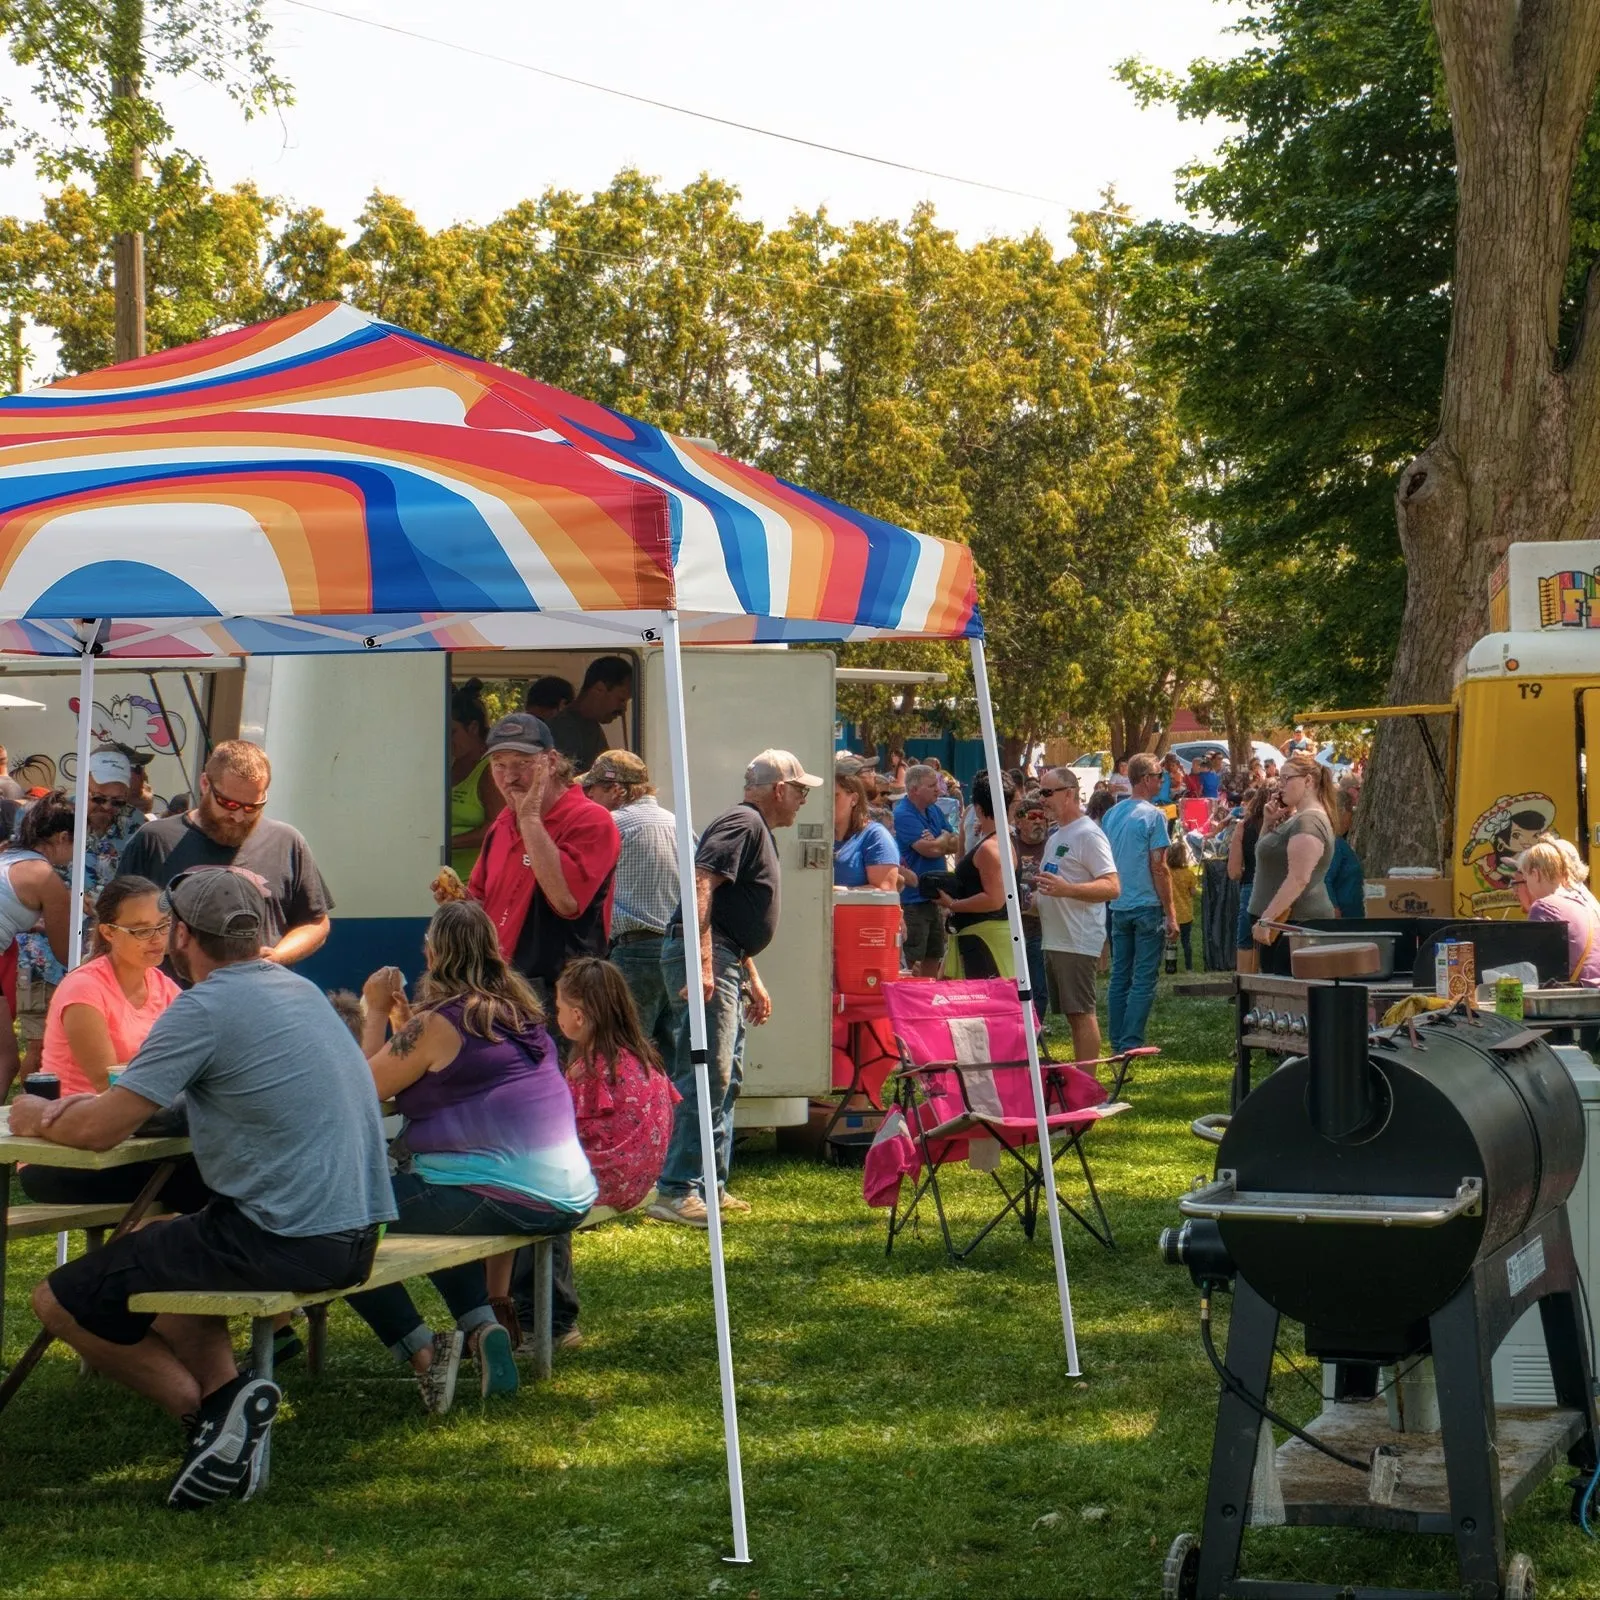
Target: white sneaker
[438, 1383]
[688, 1209]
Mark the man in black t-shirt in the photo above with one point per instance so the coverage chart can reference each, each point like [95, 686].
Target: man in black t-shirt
[227, 829]
[736, 890]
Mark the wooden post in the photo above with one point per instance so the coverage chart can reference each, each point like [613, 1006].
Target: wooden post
[127, 261]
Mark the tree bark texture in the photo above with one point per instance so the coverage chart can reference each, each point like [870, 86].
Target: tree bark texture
[1515, 454]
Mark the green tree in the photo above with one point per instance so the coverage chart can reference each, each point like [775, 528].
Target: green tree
[90, 63]
[205, 264]
[1308, 324]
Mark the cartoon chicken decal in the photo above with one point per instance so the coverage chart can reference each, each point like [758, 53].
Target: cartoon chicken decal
[1499, 836]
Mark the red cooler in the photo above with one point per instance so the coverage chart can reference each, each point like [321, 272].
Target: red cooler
[866, 939]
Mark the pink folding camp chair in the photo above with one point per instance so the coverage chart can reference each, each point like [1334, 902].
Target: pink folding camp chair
[964, 1095]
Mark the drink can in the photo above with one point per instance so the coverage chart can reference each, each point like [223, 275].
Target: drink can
[1508, 997]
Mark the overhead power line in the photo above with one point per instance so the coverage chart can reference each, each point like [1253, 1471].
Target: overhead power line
[676, 110]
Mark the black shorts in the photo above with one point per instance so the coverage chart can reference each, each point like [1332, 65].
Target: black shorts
[218, 1248]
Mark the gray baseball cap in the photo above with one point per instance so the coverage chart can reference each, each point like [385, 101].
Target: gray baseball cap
[228, 902]
[778, 766]
[520, 731]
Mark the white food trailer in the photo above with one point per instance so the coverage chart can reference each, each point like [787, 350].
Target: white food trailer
[360, 756]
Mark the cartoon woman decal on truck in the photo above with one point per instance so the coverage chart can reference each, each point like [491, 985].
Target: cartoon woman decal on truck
[1498, 837]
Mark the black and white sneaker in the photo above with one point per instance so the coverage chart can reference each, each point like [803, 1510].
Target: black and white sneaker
[229, 1430]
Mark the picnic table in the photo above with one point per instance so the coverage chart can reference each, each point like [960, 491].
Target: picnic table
[15, 1150]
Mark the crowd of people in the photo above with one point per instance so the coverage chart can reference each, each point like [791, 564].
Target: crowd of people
[542, 1064]
[1108, 881]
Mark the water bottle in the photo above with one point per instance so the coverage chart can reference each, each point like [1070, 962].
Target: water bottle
[1172, 953]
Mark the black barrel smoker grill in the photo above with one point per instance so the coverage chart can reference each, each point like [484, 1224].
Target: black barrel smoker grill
[1399, 1193]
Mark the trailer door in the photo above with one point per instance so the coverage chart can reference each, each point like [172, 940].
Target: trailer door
[1589, 777]
[740, 702]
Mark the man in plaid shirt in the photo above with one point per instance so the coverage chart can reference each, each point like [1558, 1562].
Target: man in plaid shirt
[645, 889]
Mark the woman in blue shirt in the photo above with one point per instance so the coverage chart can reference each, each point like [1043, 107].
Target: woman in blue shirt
[864, 852]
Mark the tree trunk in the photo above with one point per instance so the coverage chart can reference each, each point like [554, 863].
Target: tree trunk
[1515, 456]
[127, 258]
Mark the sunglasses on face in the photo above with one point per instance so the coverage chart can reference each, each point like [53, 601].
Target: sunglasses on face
[248, 807]
[1046, 793]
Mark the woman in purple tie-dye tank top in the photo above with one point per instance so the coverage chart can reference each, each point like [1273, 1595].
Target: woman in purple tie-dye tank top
[490, 1131]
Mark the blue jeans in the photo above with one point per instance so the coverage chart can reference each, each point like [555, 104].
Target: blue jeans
[1038, 979]
[639, 962]
[1137, 941]
[682, 1171]
[447, 1208]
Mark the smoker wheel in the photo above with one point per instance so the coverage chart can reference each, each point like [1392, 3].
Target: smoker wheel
[1519, 1578]
[1180, 1572]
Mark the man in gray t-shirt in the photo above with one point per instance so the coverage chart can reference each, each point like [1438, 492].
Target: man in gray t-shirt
[283, 1115]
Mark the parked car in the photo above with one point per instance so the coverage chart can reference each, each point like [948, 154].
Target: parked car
[1191, 750]
[1091, 767]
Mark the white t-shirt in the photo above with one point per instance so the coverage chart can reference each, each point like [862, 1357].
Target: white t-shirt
[1080, 852]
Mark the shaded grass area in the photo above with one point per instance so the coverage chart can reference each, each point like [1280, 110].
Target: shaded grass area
[908, 1428]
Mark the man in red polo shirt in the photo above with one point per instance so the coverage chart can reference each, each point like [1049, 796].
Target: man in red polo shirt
[544, 873]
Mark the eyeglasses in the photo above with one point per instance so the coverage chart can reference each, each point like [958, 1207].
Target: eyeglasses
[248, 807]
[800, 789]
[1046, 793]
[104, 800]
[145, 934]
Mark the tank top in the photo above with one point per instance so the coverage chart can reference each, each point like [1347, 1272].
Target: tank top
[968, 882]
[466, 813]
[15, 917]
[499, 1120]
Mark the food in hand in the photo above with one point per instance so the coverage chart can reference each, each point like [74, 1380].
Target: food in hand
[448, 886]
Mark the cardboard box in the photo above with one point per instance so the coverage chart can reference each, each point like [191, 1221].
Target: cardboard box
[1407, 897]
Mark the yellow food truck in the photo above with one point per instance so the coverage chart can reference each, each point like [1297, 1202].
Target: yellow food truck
[1524, 729]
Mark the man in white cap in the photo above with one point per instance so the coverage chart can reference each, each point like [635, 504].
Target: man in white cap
[113, 818]
[736, 913]
[113, 821]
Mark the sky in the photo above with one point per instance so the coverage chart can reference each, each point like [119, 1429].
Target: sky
[1017, 93]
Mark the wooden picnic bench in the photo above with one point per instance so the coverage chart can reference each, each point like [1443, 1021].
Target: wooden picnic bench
[399, 1256]
[32, 1220]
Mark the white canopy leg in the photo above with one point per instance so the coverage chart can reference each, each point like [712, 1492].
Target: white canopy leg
[1019, 955]
[678, 738]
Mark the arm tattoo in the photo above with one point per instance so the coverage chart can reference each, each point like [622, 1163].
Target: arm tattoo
[405, 1041]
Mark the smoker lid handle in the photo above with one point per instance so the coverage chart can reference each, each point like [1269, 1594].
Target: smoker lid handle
[1222, 1199]
[1211, 1128]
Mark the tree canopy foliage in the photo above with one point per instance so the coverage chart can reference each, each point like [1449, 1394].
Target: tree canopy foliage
[1305, 309]
[992, 393]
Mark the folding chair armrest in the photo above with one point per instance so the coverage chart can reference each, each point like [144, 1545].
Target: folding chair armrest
[964, 1067]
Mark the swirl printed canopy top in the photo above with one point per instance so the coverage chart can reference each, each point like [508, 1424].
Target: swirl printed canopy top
[328, 482]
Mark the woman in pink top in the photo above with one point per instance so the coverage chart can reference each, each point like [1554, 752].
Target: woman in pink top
[1549, 878]
[623, 1098]
[99, 1016]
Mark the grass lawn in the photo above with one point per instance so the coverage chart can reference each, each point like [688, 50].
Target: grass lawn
[908, 1428]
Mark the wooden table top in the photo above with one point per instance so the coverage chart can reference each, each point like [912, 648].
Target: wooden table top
[45, 1153]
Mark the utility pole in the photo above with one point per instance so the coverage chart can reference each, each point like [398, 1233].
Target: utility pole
[127, 261]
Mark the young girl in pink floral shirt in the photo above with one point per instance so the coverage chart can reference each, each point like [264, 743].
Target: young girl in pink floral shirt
[623, 1098]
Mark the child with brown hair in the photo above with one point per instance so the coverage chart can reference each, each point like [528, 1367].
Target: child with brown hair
[623, 1098]
[1180, 867]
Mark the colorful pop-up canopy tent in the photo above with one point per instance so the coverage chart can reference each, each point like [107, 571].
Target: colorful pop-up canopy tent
[327, 482]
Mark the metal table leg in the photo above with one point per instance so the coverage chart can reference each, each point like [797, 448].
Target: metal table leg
[15, 1378]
